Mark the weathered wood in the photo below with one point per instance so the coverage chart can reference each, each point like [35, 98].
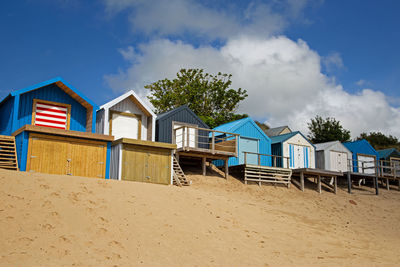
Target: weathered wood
[226, 169]
[387, 184]
[376, 186]
[349, 182]
[319, 184]
[65, 133]
[302, 181]
[335, 184]
[203, 165]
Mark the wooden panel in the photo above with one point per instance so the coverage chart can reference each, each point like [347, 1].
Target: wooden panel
[55, 155]
[87, 159]
[146, 164]
[228, 146]
[47, 155]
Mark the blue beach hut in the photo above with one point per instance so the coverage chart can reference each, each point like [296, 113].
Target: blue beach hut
[365, 157]
[54, 128]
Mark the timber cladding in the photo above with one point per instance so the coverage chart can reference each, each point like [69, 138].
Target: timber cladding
[146, 164]
[65, 155]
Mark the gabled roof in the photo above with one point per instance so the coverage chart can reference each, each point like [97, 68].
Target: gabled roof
[283, 137]
[232, 126]
[62, 84]
[385, 153]
[170, 113]
[276, 131]
[327, 145]
[135, 98]
[359, 145]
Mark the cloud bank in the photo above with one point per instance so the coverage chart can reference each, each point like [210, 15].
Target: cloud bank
[283, 77]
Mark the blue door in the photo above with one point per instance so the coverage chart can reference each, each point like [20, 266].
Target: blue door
[248, 145]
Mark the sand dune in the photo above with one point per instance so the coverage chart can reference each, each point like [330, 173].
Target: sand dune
[52, 220]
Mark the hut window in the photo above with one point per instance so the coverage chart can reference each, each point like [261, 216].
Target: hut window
[51, 114]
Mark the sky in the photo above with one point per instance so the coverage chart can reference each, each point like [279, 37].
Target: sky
[296, 58]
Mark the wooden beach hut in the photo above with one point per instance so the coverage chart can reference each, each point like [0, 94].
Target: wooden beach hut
[278, 131]
[193, 138]
[332, 156]
[134, 154]
[364, 162]
[389, 165]
[295, 146]
[254, 161]
[54, 128]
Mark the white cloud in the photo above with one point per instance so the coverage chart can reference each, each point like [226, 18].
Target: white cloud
[181, 17]
[283, 78]
[332, 62]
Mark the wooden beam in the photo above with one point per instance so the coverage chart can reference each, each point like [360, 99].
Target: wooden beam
[335, 184]
[376, 186]
[226, 169]
[203, 165]
[349, 182]
[319, 184]
[302, 181]
[387, 184]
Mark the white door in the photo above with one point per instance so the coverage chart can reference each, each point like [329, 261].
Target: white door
[181, 136]
[395, 162]
[338, 161]
[368, 162]
[299, 156]
[123, 126]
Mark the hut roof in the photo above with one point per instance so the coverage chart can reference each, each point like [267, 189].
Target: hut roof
[276, 131]
[170, 113]
[283, 137]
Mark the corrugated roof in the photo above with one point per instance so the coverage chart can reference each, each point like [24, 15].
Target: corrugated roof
[275, 131]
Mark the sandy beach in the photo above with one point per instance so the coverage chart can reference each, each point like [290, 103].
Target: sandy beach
[51, 220]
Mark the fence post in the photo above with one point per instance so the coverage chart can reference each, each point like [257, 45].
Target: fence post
[236, 144]
[274, 161]
[187, 141]
[259, 159]
[362, 166]
[245, 158]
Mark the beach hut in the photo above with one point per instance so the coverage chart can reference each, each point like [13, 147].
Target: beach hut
[126, 116]
[252, 140]
[54, 128]
[193, 138]
[278, 131]
[134, 154]
[364, 158]
[389, 161]
[295, 146]
[332, 156]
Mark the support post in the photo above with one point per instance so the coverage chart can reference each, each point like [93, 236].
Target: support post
[259, 159]
[302, 181]
[387, 184]
[226, 169]
[349, 182]
[177, 157]
[245, 158]
[335, 186]
[187, 140]
[319, 184]
[274, 161]
[213, 143]
[203, 165]
[376, 186]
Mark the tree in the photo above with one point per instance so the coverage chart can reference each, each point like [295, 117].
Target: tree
[263, 126]
[325, 130]
[209, 96]
[380, 141]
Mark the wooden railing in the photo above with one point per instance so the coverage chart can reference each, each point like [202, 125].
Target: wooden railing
[188, 138]
[389, 168]
[273, 159]
[351, 163]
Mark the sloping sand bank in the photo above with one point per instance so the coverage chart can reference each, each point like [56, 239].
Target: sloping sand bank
[61, 220]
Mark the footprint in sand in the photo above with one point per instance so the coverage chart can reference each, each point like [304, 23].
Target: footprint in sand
[47, 204]
[44, 186]
[102, 230]
[116, 244]
[54, 213]
[103, 219]
[55, 194]
[74, 197]
[64, 239]
[47, 226]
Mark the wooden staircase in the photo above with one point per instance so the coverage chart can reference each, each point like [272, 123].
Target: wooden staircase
[8, 153]
[179, 176]
[263, 174]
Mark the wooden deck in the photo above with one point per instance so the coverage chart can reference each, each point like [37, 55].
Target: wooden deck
[320, 175]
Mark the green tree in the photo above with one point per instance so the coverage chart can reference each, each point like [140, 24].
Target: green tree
[325, 130]
[209, 96]
[263, 126]
[380, 141]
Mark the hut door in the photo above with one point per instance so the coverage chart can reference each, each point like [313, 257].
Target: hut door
[299, 156]
[338, 161]
[395, 162]
[86, 160]
[248, 145]
[368, 162]
[125, 125]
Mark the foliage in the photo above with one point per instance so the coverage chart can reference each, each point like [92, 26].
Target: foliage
[263, 126]
[380, 141]
[209, 96]
[325, 130]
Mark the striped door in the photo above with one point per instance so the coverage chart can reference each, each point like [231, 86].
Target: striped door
[51, 115]
[299, 156]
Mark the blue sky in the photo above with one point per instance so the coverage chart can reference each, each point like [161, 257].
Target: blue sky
[297, 59]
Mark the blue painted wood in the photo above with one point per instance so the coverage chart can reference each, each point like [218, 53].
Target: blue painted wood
[6, 115]
[15, 114]
[248, 145]
[360, 147]
[21, 143]
[107, 174]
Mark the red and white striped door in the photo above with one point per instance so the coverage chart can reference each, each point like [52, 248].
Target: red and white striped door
[51, 115]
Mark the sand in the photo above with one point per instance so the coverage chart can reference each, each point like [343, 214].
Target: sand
[52, 220]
